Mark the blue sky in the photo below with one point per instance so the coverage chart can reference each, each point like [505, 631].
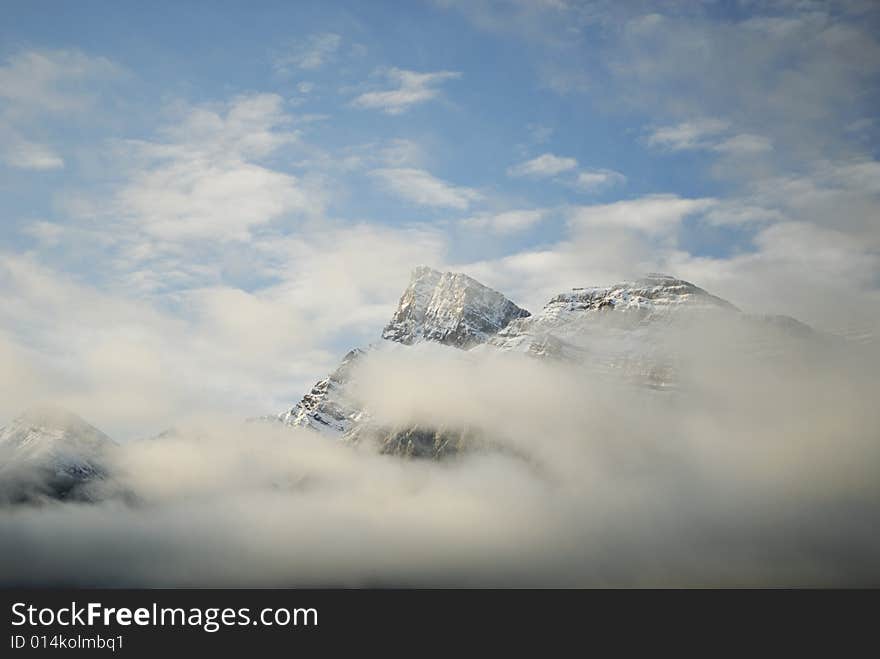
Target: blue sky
[213, 201]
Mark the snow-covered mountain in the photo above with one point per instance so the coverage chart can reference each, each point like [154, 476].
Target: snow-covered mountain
[621, 332]
[50, 452]
[449, 308]
[613, 330]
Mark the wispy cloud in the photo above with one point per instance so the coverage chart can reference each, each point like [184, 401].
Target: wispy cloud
[203, 178]
[36, 83]
[652, 214]
[507, 221]
[567, 171]
[23, 154]
[309, 54]
[544, 166]
[424, 189]
[410, 88]
[707, 135]
[744, 144]
[51, 81]
[589, 180]
[695, 134]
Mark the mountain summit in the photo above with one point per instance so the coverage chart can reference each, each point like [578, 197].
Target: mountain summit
[449, 308]
[443, 307]
[48, 451]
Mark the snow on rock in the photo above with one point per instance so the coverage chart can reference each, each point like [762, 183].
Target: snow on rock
[327, 407]
[449, 308]
[48, 451]
[654, 297]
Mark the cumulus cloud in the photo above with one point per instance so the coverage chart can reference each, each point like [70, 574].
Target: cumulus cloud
[422, 188]
[411, 88]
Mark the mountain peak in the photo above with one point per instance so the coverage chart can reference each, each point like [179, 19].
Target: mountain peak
[54, 417]
[653, 292]
[50, 451]
[450, 308]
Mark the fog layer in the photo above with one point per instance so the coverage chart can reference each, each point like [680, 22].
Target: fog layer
[759, 467]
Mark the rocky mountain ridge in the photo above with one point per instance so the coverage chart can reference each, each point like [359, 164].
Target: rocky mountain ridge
[612, 330]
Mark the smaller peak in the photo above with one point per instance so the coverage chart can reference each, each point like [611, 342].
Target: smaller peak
[51, 415]
[54, 420]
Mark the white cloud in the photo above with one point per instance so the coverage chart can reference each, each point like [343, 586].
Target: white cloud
[204, 180]
[507, 221]
[312, 53]
[45, 233]
[51, 81]
[596, 179]
[215, 200]
[35, 83]
[225, 504]
[695, 134]
[790, 265]
[653, 214]
[708, 135]
[420, 187]
[539, 133]
[213, 346]
[565, 170]
[744, 144]
[28, 155]
[544, 166]
[411, 88]
[732, 213]
[841, 195]
[800, 77]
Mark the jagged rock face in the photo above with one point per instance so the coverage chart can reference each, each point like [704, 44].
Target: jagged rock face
[449, 308]
[415, 441]
[50, 453]
[653, 298]
[327, 407]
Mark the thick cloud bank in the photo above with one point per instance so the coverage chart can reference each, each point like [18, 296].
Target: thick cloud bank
[758, 468]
